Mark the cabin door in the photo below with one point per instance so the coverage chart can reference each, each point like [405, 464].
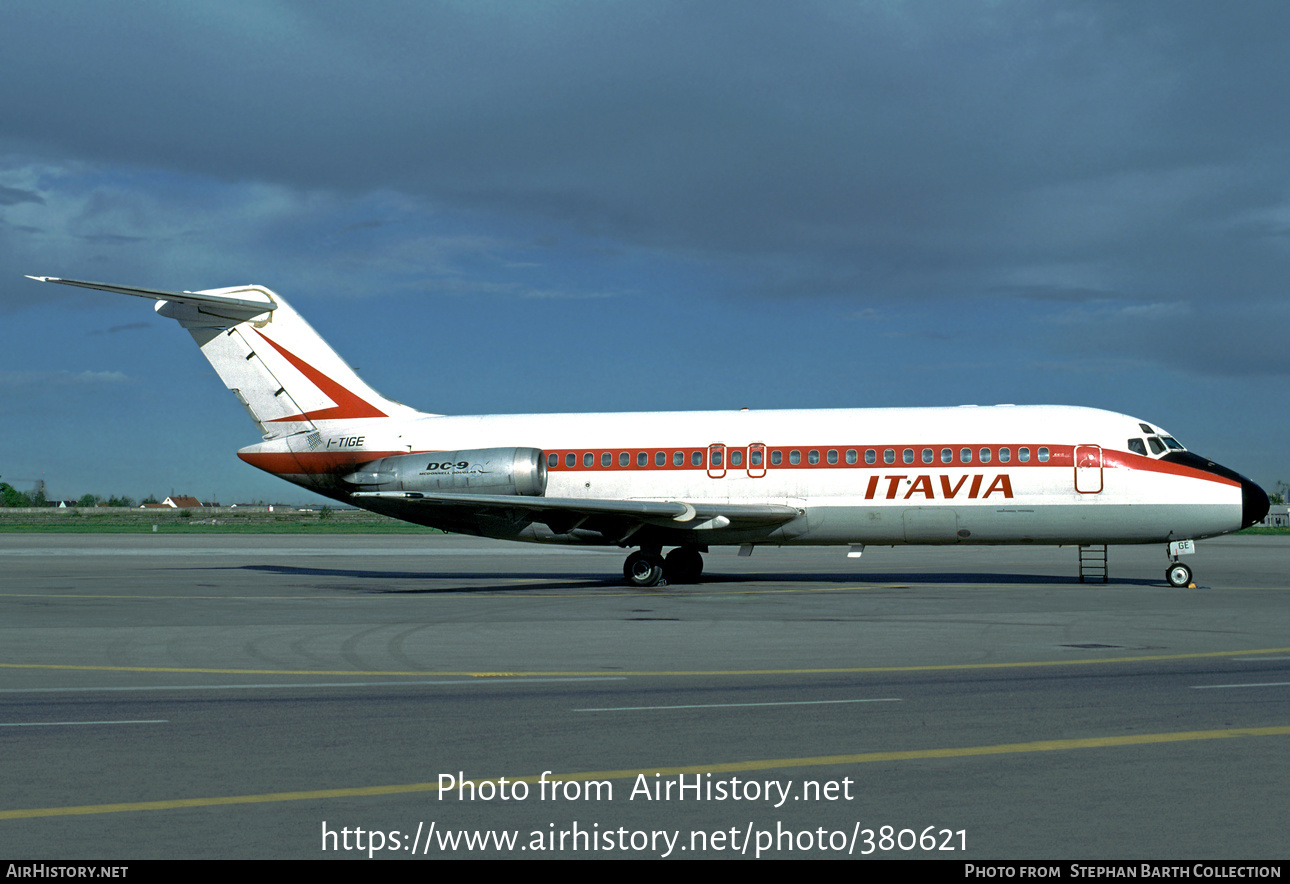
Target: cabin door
[1088, 469]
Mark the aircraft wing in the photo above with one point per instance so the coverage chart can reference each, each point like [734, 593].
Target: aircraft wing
[669, 514]
[235, 304]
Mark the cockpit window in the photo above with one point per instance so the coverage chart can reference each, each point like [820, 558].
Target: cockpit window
[1174, 444]
[1146, 429]
[1137, 446]
[1156, 446]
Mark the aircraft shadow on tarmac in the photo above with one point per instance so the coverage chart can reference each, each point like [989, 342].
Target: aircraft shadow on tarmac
[513, 580]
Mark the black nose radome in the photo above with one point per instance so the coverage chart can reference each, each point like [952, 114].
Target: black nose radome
[1254, 500]
[1254, 503]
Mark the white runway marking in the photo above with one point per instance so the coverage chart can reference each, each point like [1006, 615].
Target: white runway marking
[72, 723]
[1268, 684]
[739, 705]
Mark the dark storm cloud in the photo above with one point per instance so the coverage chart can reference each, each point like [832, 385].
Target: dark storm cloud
[871, 151]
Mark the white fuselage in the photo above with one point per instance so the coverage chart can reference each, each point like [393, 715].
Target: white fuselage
[1001, 474]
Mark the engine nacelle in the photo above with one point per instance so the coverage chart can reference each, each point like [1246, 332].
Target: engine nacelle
[520, 471]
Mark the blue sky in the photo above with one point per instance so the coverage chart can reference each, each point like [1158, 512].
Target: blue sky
[599, 206]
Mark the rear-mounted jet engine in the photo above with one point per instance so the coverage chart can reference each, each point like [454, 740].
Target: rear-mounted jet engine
[520, 471]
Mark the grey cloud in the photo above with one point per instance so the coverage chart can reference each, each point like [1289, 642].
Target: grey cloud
[1234, 341]
[12, 196]
[870, 152]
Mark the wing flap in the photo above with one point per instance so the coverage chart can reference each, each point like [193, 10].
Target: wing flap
[670, 514]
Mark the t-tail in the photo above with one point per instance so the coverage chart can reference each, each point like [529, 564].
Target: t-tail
[288, 378]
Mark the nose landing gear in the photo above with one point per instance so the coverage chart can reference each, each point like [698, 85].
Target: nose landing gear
[1179, 574]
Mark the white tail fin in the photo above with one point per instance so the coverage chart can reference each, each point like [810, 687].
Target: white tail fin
[288, 378]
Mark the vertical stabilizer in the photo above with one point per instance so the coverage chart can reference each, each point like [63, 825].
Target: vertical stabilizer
[284, 373]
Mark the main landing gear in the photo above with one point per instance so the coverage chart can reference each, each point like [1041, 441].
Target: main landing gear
[646, 567]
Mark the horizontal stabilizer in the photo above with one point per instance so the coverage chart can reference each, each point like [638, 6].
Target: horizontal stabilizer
[238, 304]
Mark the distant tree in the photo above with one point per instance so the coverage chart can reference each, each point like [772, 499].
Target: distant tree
[121, 501]
[10, 496]
[151, 498]
[88, 500]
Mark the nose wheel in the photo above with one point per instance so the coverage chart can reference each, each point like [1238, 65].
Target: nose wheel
[1178, 575]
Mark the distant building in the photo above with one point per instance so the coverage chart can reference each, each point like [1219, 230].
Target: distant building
[1277, 517]
[179, 501]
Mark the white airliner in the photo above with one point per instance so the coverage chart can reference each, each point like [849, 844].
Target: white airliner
[690, 480]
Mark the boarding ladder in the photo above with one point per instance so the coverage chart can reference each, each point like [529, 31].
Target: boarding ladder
[1092, 564]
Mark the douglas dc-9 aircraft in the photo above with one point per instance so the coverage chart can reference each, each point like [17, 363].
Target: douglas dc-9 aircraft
[690, 480]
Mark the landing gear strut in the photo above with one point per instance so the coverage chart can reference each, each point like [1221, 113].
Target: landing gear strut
[647, 567]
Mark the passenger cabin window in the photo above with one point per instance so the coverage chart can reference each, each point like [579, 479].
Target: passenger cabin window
[570, 459]
[588, 459]
[1005, 455]
[606, 459]
[795, 456]
[813, 456]
[716, 458]
[832, 455]
[642, 459]
[624, 459]
[754, 457]
[889, 455]
[776, 457]
[851, 455]
[984, 453]
[1157, 447]
[947, 455]
[927, 455]
[1043, 455]
[736, 458]
[1023, 455]
[553, 460]
[907, 455]
[870, 456]
[678, 459]
[965, 455]
[1137, 446]
[696, 459]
